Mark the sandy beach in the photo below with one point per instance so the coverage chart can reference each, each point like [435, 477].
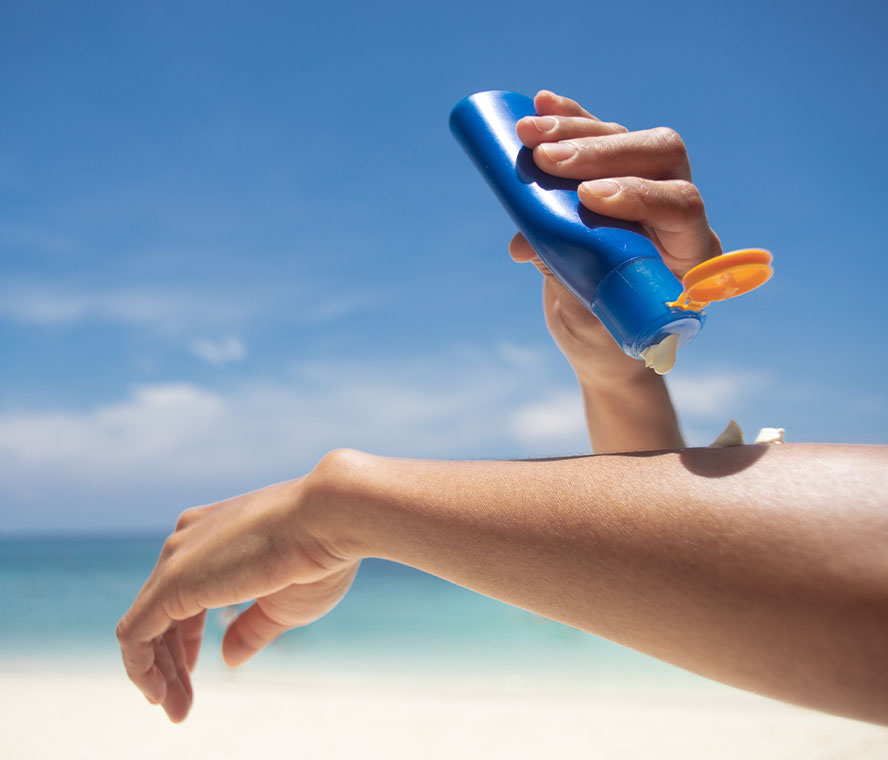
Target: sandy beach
[81, 712]
[408, 666]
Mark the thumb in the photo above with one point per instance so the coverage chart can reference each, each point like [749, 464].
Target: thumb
[521, 251]
[252, 630]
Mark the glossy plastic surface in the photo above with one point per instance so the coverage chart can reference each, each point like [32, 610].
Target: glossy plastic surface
[609, 265]
[723, 277]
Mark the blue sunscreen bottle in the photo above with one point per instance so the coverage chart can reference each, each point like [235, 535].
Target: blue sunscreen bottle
[611, 266]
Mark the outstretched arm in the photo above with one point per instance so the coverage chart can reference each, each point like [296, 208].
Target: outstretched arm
[643, 176]
[762, 567]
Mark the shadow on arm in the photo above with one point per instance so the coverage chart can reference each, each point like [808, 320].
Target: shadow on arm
[705, 462]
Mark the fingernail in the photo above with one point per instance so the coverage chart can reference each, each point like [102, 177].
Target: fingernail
[601, 188]
[558, 151]
[544, 123]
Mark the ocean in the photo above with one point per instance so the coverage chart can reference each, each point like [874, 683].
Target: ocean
[63, 596]
[406, 666]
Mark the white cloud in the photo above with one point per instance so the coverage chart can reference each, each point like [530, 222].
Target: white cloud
[456, 406]
[334, 309]
[473, 404]
[121, 458]
[160, 309]
[520, 356]
[558, 419]
[715, 394]
[168, 309]
[220, 352]
[155, 422]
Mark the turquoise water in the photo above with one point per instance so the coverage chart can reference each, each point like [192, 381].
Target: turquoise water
[63, 596]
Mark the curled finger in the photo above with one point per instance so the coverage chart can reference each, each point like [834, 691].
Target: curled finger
[672, 211]
[139, 661]
[650, 153]
[173, 640]
[177, 699]
[192, 630]
[534, 130]
[138, 632]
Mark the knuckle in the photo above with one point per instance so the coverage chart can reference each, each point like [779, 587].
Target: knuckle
[177, 606]
[715, 246]
[669, 141]
[634, 190]
[171, 544]
[690, 196]
[122, 630]
[188, 517]
[633, 186]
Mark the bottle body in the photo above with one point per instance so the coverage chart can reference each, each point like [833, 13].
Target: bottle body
[609, 265]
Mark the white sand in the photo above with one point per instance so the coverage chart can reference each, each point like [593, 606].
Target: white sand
[88, 714]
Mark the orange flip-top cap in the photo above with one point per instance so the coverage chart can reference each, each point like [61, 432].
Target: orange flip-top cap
[722, 277]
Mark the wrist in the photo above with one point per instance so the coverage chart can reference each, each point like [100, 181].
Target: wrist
[631, 414]
[603, 369]
[335, 493]
[618, 387]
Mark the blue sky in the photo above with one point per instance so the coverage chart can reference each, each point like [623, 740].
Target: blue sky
[234, 236]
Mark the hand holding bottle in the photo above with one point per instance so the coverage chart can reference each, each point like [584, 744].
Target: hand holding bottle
[641, 176]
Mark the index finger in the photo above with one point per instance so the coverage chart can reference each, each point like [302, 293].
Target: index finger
[145, 620]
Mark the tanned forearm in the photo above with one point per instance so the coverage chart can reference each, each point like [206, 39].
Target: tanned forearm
[762, 567]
